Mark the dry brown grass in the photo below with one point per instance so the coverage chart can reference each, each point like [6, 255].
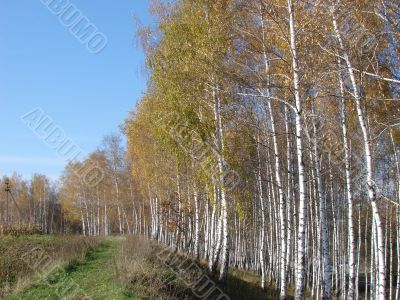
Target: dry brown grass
[138, 267]
[15, 273]
[21, 229]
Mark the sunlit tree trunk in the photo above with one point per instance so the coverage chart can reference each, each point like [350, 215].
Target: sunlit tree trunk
[368, 160]
[322, 212]
[302, 209]
[350, 226]
[196, 223]
[262, 212]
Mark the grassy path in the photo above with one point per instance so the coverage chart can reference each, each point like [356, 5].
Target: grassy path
[94, 277]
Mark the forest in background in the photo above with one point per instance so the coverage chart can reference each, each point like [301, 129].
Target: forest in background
[267, 140]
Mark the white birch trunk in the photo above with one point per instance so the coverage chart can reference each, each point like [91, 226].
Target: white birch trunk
[368, 159]
[350, 226]
[262, 212]
[322, 216]
[302, 212]
[196, 224]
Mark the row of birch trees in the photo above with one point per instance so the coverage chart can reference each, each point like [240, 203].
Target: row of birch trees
[267, 140]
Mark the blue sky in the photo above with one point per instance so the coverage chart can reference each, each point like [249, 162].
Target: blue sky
[43, 65]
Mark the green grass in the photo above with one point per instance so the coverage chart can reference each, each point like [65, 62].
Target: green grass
[94, 276]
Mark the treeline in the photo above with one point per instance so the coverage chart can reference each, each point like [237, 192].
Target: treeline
[99, 195]
[94, 196]
[29, 206]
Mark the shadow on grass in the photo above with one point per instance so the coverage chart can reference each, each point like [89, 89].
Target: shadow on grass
[243, 285]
